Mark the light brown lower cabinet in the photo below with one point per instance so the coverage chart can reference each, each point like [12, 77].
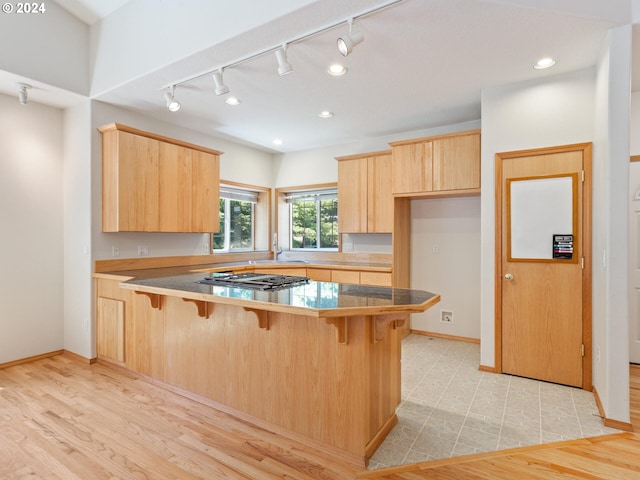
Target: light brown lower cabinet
[357, 277]
[110, 321]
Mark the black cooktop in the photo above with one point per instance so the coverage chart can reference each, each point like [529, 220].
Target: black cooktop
[256, 281]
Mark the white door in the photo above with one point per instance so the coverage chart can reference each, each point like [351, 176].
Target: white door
[634, 263]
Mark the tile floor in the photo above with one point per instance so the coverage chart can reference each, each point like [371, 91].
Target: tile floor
[450, 408]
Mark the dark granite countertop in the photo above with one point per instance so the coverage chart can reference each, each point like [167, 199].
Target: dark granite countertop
[317, 299]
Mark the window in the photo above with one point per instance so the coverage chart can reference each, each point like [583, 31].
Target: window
[313, 216]
[237, 212]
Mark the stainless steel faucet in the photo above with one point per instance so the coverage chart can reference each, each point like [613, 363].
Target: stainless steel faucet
[276, 251]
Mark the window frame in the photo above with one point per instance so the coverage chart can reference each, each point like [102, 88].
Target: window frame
[260, 219]
[284, 218]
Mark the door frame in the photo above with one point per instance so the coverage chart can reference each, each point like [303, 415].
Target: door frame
[586, 150]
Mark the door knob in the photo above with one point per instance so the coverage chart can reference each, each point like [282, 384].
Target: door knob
[508, 276]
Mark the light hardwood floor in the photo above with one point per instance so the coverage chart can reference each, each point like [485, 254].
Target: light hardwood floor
[62, 419]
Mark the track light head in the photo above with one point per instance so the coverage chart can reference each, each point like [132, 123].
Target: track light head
[347, 42]
[172, 104]
[23, 96]
[284, 66]
[221, 88]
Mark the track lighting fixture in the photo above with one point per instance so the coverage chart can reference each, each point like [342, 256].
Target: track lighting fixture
[284, 66]
[23, 96]
[347, 42]
[172, 104]
[221, 88]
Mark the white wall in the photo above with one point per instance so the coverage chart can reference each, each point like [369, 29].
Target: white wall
[31, 244]
[138, 44]
[610, 225]
[78, 292]
[50, 47]
[445, 258]
[557, 110]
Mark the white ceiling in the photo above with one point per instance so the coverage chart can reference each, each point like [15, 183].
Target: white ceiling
[423, 64]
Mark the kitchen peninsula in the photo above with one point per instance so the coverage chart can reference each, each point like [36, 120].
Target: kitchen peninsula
[320, 360]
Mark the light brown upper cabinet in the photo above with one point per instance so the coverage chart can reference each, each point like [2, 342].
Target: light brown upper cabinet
[443, 165]
[152, 183]
[365, 201]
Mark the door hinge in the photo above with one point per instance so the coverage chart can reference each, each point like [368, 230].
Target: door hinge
[583, 175]
[582, 263]
[583, 349]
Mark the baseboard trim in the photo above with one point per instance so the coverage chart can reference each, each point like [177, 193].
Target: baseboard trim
[484, 368]
[445, 336]
[80, 358]
[30, 359]
[609, 422]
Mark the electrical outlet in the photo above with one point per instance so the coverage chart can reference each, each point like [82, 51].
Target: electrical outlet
[435, 248]
[205, 247]
[115, 251]
[598, 353]
[143, 251]
[446, 316]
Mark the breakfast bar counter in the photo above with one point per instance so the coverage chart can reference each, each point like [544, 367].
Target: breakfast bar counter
[319, 361]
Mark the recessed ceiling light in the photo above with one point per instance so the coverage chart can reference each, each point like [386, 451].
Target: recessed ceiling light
[337, 70]
[544, 63]
[277, 141]
[233, 101]
[325, 114]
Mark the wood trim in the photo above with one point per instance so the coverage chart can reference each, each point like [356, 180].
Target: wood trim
[446, 336]
[468, 192]
[364, 155]
[609, 422]
[545, 150]
[380, 436]
[634, 158]
[497, 334]
[485, 368]
[575, 183]
[142, 133]
[20, 361]
[587, 273]
[315, 186]
[79, 358]
[434, 137]
[586, 148]
[511, 453]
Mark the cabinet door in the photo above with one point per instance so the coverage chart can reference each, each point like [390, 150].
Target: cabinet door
[319, 274]
[375, 278]
[110, 329]
[111, 318]
[352, 196]
[412, 168]
[345, 276]
[379, 196]
[138, 187]
[175, 185]
[205, 215]
[456, 164]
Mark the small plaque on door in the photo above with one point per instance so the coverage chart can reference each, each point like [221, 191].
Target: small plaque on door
[563, 246]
